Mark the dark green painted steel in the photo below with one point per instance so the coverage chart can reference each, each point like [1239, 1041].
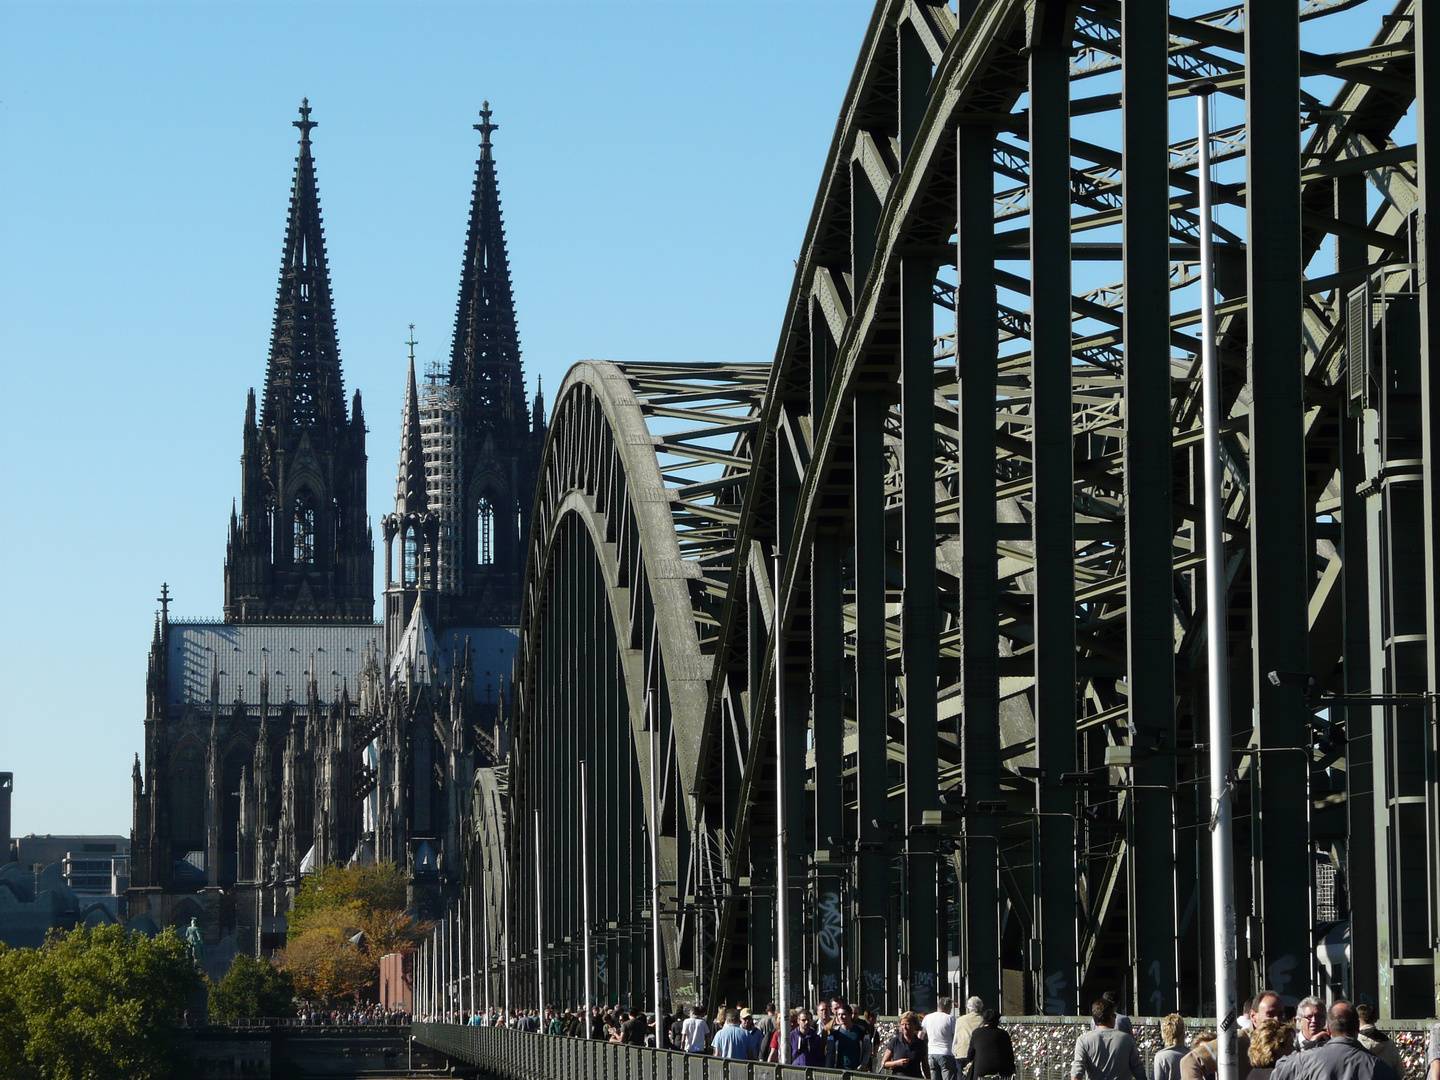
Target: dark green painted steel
[975, 358]
[1279, 526]
[1053, 517]
[990, 580]
[1149, 527]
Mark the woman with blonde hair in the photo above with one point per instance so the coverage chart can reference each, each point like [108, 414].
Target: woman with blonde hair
[1166, 1063]
[1270, 1041]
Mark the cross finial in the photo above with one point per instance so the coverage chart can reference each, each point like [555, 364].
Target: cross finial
[164, 601]
[305, 123]
[485, 127]
[412, 343]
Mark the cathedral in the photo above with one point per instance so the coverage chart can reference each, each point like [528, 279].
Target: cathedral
[296, 731]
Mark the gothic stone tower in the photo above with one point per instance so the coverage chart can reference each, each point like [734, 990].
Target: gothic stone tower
[253, 766]
[500, 440]
[300, 549]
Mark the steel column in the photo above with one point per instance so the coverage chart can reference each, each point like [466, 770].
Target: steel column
[827, 668]
[1053, 519]
[1280, 554]
[919, 643]
[1149, 546]
[872, 707]
[976, 356]
[1427, 116]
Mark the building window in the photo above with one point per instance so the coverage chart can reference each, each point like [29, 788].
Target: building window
[487, 533]
[410, 559]
[304, 530]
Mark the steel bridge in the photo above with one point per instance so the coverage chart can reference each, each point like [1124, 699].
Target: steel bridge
[931, 580]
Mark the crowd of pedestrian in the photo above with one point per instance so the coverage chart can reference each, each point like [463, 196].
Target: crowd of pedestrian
[311, 1015]
[1341, 1043]
[834, 1034]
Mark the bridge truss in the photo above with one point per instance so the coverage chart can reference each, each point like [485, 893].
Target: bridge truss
[950, 536]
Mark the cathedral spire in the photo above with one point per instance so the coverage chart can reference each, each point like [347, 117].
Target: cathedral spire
[410, 490]
[303, 381]
[485, 351]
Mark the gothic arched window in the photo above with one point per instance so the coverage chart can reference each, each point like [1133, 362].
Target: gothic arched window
[410, 558]
[187, 798]
[304, 529]
[487, 532]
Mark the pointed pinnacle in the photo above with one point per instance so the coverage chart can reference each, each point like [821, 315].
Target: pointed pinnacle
[305, 123]
[485, 127]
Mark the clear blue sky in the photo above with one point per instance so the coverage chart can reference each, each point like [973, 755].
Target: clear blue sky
[657, 162]
[657, 165]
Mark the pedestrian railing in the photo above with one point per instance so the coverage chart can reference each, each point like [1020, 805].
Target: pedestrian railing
[524, 1055]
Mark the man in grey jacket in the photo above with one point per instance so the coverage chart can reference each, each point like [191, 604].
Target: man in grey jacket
[1104, 1053]
[1342, 1057]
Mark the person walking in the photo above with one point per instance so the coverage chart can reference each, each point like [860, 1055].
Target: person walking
[1270, 1040]
[848, 1046]
[1340, 1057]
[964, 1025]
[1165, 1065]
[1310, 1032]
[753, 1037]
[991, 1052]
[905, 1054]
[766, 1024]
[695, 1032]
[807, 1045]
[730, 1041]
[1375, 1040]
[939, 1027]
[1103, 1053]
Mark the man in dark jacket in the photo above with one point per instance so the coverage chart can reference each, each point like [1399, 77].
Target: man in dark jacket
[991, 1053]
[1341, 1058]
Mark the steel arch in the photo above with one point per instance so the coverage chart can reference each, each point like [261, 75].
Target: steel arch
[1027, 544]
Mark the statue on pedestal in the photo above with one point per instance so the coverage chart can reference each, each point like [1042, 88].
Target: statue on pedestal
[195, 943]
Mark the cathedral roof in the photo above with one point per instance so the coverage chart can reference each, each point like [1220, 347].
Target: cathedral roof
[238, 654]
[417, 655]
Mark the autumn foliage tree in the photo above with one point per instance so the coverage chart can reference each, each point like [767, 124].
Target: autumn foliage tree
[343, 920]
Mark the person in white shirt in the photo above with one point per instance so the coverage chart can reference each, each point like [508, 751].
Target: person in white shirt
[939, 1027]
[694, 1032]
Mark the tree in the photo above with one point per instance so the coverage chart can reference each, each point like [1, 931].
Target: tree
[343, 920]
[252, 987]
[94, 1003]
[381, 886]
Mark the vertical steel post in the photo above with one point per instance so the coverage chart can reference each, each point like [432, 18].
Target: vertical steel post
[782, 878]
[1149, 533]
[657, 946]
[1222, 841]
[1053, 520]
[539, 927]
[827, 682]
[1427, 110]
[585, 895]
[485, 941]
[920, 646]
[976, 357]
[505, 924]
[1281, 550]
[872, 875]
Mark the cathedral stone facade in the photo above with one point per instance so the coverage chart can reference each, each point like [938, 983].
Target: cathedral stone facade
[297, 731]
